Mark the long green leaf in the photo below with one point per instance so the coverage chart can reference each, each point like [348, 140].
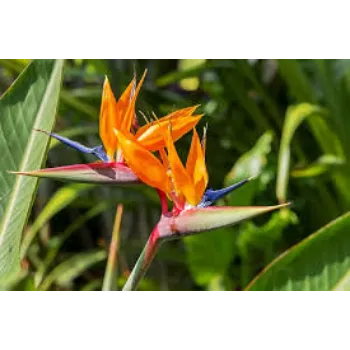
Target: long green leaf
[294, 117]
[56, 242]
[61, 199]
[302, 89]
[319, 262]
[30, 103]
[70, 269]
[68, 97]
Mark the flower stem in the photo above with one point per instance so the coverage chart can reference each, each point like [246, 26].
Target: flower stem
[163, 201]
[143, 262]
[110, 277]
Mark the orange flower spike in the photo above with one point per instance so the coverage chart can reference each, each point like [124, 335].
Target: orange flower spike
[151, 135]
[130, 111]
[196, 168]
[143, 163]
[111, 115]
[182, 181]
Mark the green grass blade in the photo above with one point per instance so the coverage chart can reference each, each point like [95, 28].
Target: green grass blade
[319, 262]
[56, 242]
[30, 103]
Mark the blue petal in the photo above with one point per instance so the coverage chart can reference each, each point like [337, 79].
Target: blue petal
[97, 151]
[210, 196]
[100, 153]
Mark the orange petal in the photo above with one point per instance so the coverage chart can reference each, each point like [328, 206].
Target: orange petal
[181, 179]
[151, 135]
[143, 163]
[180, 113]
[196, 167]
[164, 158]
[130, 113]
[111, 115]
[184, 112]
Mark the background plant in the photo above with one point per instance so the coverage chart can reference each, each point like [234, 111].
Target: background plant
[284, 120]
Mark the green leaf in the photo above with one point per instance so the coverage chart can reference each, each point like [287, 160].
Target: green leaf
[68, 97]
[301, 88]
[297, 81]
[93, 285]
[247, 69]
[64, 273]
[258, 245]
[319, 262]
[294, 117]
[209, 255]
[252, 163]
[11, 281]
[61, 199]
[55, 243]
[30, 103]
[322, 165]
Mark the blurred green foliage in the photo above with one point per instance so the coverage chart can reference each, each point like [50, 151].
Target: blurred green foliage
[284, 121]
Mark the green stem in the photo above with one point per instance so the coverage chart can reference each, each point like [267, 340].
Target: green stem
[143, 262]
[110, 278]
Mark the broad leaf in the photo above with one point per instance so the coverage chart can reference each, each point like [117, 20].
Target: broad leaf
[209, 256]
[319, 262]
[30, 103]
[259, 245]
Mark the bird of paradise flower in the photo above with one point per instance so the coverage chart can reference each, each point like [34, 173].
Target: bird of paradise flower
[147, 155]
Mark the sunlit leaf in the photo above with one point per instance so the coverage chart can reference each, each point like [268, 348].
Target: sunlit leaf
[30, 103]
[319, 262]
